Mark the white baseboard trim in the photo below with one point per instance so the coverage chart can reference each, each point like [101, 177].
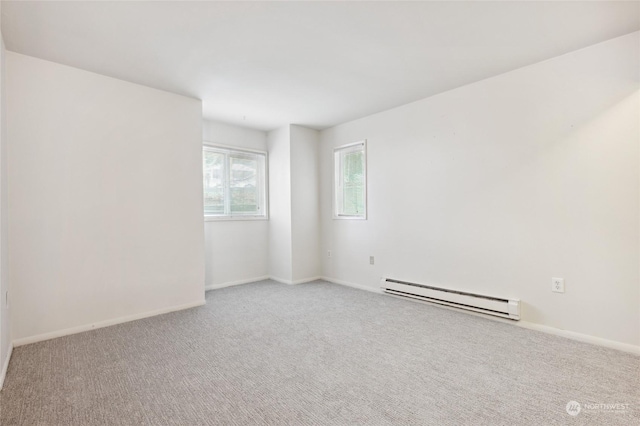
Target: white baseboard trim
[101, 324]
[232, 283]
[585, 338]
[281, 280]
[305, 280]
[290, 282]
[5, 366]
[376, 289]
[266, 277]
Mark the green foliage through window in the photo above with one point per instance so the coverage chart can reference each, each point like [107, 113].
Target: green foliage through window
[350, 181]
[234, 183]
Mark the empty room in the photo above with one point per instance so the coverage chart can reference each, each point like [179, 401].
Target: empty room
[319, 213]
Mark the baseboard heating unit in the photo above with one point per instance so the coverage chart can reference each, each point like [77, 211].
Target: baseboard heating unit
[505, 308]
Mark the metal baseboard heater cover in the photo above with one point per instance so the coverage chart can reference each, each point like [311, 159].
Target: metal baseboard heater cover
[505, 308]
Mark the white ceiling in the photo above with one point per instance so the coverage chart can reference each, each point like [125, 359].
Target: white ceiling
[317, 64]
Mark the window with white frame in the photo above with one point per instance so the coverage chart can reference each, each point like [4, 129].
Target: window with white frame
[350, 184]
[234, 183]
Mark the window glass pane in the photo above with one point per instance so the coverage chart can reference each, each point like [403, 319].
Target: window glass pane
[243, 184]
[213, 183]
[234, 183]
[353, 183]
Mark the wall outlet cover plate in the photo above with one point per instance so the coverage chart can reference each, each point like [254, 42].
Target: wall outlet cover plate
[557, 285]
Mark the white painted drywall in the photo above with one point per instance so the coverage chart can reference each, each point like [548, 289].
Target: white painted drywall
[314, 62]
[105, 198]
[498, 186]
[294, 204]
[5, 326]
[280, 239]
[235, 250]
[305, 200]
[224, 134]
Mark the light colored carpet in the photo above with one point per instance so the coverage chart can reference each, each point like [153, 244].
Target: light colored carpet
[316, 354]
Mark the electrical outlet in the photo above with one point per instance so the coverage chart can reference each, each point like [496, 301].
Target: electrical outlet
[557, 285]
[371, 260]
[329, 253]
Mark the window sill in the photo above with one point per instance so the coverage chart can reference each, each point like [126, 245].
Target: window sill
[231, 218]
[349, 217]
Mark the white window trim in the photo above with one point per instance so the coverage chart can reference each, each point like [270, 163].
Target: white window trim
[334, 206]
[211, 218]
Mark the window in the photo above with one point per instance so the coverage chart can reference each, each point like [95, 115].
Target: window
[350, 185]
[234, 184]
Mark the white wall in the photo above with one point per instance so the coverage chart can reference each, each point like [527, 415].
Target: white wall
[280, 239]
[500, 185]
[305, 200]
[236, 250]
[105, 199]
[5, 326]
[294, 204]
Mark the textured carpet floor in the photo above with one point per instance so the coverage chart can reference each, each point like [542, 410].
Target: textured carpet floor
[316, 354]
